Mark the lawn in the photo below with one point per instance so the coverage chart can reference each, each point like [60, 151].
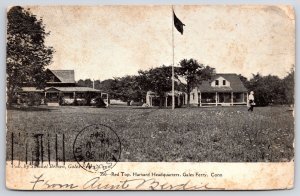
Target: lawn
[217, 134]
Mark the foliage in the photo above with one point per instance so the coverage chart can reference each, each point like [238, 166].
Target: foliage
[85, 83]
[33, 99]
[108, 86]
[99, 102]
[193, 73]
[27, 54]
[128, 88]
[244, 81]
[289, 86]
[270, 89]
[134, 88]
[158, 80]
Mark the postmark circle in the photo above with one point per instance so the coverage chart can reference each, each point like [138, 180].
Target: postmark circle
[97, 148]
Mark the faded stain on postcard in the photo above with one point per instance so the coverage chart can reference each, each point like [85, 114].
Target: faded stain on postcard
[150, 97]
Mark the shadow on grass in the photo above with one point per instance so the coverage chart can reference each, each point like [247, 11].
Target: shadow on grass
[31, 108]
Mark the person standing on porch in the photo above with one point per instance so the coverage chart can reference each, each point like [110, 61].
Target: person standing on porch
[251, 101]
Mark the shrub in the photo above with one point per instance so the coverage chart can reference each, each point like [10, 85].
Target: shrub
[34, 99]
[99, 102]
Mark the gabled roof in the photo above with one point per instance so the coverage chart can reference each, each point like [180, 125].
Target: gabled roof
[65, 76]
[236, 84]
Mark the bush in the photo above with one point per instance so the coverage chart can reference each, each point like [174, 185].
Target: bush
[99, 102]
[34, 99]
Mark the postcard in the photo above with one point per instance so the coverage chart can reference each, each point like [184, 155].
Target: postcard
[150, 97]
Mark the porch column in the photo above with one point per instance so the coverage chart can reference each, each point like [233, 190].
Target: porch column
[216, 98]
[243, 97]
[45, 95]
[178, 99]
[167, 101]
[74, 95]
[231, 98]
[247, 100]
[150, 101]
[200, 101]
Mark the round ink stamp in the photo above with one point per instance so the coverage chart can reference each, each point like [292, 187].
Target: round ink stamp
[97, 148]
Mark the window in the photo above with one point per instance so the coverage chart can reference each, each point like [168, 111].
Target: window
[193, 96]
[217, 82]
[224, 82]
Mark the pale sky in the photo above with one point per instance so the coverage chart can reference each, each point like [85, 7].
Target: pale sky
[101, 42]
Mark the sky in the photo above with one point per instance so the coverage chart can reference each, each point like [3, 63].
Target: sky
[102, 42]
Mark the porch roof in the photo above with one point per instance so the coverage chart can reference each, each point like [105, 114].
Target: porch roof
[61, 89]
[31, 89]
[176, 93]
[72, 89]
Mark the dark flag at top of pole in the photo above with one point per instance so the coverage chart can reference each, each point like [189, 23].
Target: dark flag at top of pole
[179, 26]
[177, 23]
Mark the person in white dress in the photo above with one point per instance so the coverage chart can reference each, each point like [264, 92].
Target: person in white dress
[251, 101]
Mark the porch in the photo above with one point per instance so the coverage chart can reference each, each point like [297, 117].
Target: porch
[55, 96]
[152, 99]
[222, 98]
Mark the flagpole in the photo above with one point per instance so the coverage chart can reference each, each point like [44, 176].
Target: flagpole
[173, 93]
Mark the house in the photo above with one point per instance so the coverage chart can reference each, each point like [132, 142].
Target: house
[61, 85]
[221, 90]
[225, 89]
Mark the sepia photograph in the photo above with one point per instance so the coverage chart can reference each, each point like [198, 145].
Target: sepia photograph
[152, 92]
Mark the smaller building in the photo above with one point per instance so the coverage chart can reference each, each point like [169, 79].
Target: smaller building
[152, 99]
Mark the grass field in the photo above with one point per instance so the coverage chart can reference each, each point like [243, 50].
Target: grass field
[217, 134]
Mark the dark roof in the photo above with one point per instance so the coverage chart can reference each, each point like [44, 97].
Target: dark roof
[236, 84]
[65, 76]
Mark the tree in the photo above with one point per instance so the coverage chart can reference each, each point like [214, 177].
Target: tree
[289, 84]
[108, 86]
[157, 80]
[27, 54]
[193, 73]
[268, 89]
[85, 83]
[127, 89]
[244, 80]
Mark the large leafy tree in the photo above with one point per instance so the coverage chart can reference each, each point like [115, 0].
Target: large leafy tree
[158, 80]
[27, 54]
[85, 83]
[244, 80]
[267, 89]
[193, 73]
[128, 88]
[108, 86]
[289, 87]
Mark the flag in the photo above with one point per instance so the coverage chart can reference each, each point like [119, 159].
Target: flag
[178, 24]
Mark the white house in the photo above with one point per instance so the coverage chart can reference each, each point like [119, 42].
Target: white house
[222, 89]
